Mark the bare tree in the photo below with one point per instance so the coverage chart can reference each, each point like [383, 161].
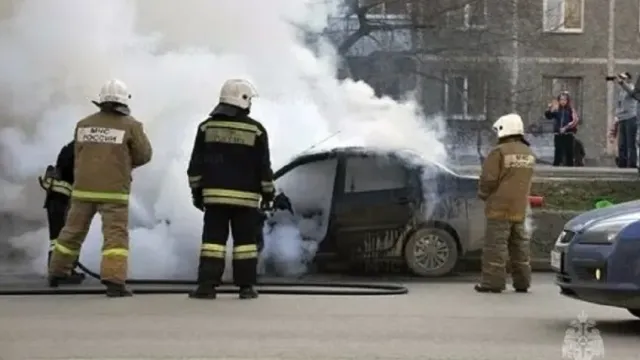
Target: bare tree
[402, 45]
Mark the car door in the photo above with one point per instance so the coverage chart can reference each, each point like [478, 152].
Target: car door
[372, 205]
[309, 185]
[475, 214]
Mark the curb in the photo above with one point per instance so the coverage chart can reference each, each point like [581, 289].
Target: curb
[472, 264]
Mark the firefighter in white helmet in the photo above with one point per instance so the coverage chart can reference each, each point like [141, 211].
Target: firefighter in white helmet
[109, 144]
[230, 174]
[504, 185]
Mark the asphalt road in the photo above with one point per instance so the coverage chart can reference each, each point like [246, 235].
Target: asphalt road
[437, 320]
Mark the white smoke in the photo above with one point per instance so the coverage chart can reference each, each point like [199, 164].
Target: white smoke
[529, 222]
[55, 55]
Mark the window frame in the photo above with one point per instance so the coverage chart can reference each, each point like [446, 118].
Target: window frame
[466, 22]
[465, 99]
[382, 13]
[375, 158]
[466, 18]
[562, 29]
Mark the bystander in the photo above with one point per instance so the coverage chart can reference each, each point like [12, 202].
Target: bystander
[626, 122]
[565, 125]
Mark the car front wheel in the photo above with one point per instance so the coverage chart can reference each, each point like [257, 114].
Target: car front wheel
[431, 252]
[635, 312]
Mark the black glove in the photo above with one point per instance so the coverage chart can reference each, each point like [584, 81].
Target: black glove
[282, 202]
[267, 200]
[196, 198]
[268, 196]
[266, 205]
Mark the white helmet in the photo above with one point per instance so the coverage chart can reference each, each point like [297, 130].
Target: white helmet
[237, 92]
[114, 91]
[509, 125]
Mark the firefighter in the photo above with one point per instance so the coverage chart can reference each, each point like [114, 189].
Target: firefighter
[504, 185]
[58, 182]
[109, 144]
[229, 174]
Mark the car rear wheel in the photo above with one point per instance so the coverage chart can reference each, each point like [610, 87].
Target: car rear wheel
[635, 312]
[431, 252]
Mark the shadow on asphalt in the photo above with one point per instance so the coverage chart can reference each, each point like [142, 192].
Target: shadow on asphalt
[462, 277]
[629, 328]
[617, 328]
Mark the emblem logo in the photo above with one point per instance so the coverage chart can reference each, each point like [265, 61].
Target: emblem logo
[582, 341]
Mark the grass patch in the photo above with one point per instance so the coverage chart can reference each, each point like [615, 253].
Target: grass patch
[583, 194]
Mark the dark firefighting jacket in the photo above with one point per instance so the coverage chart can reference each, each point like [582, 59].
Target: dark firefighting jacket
[58, 179]
[230, 162]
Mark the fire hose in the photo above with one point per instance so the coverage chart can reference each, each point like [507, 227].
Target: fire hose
[168, 286]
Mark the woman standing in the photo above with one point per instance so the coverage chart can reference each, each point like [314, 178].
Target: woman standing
[565, 124]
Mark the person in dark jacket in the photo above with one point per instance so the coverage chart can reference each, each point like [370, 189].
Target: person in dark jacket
[58, 183]
[626, 125]
[230, 174]
[565, 122]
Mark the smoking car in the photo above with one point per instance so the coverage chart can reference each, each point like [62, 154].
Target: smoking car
[384, 210]
[596, 258]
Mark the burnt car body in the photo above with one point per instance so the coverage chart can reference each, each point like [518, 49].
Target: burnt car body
[384, 210]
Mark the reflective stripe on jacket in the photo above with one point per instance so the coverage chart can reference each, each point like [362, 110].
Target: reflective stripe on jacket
[59, 186]
[231, 197]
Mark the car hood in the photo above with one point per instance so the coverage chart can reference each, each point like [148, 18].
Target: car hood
[593, 217]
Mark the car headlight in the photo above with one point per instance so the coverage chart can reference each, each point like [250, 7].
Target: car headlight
[607, 231]
[565, 237]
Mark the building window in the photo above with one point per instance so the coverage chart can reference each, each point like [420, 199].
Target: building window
[465, 96]
[472, 15]
[554, 85]
[563, 15]
[388, 9]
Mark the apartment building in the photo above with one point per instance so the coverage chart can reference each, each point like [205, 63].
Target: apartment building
[484, 58]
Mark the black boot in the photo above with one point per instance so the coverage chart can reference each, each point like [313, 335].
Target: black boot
[247, 292]
[75, 278]
[485, 289]
[55, 280]
[204, 292]
[116, 290]
[521, 290]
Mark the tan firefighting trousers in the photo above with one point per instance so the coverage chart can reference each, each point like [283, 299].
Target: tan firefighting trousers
[505, 240]
[115, 248]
